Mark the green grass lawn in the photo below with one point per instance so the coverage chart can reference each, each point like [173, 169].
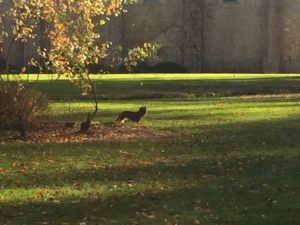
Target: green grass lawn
[235, 160]
[156, 86]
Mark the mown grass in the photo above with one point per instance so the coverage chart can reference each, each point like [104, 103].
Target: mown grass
[157, 86]
[235, 162]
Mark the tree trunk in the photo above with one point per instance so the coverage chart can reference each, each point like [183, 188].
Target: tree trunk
[85, 126]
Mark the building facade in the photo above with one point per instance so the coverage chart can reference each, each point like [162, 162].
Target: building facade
[235, 36]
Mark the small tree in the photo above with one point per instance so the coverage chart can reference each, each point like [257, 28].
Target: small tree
[74, 41]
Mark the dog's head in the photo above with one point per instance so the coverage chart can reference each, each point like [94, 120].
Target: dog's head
[143, 110]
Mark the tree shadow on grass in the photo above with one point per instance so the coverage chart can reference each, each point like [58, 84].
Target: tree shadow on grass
[266, 135]
[242, 173]
[114, 161]
[132, 89]
[181, 170]
[230, 193]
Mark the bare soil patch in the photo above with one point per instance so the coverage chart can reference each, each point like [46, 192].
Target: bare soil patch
[58, 133]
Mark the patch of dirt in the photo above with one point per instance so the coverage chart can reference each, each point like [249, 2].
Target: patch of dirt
[58, 133]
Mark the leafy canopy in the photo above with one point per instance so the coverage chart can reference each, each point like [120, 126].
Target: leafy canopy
[73, 30]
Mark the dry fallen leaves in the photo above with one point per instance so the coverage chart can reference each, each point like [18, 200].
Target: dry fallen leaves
[57, 133]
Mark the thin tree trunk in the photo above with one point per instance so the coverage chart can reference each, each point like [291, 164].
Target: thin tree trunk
[85, 126]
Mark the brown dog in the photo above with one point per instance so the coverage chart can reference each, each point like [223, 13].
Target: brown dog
[133, 116]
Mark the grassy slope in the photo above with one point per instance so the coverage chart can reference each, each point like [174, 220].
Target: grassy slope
[238, 163]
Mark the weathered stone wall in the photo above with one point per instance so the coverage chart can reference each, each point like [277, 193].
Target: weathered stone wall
[193, 35]
[290, 36]
[206, 35]
[156, 21]
[271, 57]
[233, 35]
[14, 50]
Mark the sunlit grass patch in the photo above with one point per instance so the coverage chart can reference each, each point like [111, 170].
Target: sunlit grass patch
[176, 112]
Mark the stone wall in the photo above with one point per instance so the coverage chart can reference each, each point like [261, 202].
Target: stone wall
[290, 36]
[271, 56]
[193, 31]
[233, 35]
[157, 22]
[207, 35]
[10, 48]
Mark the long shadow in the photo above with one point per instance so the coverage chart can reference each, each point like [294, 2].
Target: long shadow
[181, 170]
[276, 139]
[266, 135]
[120, 89]
[242, 173]
[232, 198]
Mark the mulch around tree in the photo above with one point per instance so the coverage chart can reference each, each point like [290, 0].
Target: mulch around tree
[58, 133]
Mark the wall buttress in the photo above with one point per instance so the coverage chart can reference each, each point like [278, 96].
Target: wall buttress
[193, 35]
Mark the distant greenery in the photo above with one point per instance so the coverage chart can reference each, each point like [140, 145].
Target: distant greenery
[235, 161]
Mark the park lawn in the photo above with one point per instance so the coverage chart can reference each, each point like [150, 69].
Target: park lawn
[235, 160]
[157, 86]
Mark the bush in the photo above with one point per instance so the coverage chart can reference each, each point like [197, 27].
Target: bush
[19, 106]
[169, 67]
[142, 67]
[99, 69]
[161, 67]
